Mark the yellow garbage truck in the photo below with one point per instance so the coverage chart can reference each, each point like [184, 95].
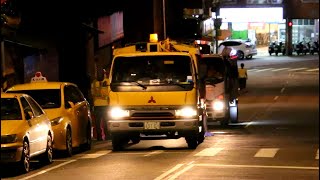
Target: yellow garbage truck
[154, 92]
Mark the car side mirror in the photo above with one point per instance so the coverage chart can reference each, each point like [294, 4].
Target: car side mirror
[70, 104]
[29, 115]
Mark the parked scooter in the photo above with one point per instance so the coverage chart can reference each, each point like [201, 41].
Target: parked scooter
[280, 48]
[298, 48]
[272, 48]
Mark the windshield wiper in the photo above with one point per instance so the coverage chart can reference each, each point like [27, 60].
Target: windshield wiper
[139, 84]
[177, 84]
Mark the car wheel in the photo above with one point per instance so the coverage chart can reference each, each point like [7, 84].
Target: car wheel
[24, 163]
[249, 57]
[240, 55]
[68, 143]
[87, 145]
[47, 157]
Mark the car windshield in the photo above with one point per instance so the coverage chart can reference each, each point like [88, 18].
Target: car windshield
[10, 109]
[215, 69]
[152, 70]
[46, 98]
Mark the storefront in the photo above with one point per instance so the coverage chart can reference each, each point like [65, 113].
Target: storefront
[265, 25]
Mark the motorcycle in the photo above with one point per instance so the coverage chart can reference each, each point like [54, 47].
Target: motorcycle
[272, 48]
[280, 48]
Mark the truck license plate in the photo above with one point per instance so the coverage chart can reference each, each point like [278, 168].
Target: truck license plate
[152, 125]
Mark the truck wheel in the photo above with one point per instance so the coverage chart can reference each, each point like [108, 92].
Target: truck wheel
[135, 139]
[118, 142]
[192, 142]
[234, 114]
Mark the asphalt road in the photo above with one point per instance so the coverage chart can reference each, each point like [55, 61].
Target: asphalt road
[277, 137]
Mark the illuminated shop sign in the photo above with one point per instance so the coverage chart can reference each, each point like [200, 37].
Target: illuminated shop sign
[269, 15]
[264, 1]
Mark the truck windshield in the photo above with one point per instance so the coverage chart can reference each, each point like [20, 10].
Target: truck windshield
[215, 68]
[156, 70]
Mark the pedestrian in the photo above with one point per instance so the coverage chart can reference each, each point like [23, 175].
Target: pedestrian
[243, 76]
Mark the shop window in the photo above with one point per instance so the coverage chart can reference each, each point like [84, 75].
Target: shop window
[311, 21]
[306, 22]
[299, 21]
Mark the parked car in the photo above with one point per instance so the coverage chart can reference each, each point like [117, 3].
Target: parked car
[67, 108]
[26, 131]
[245, 49]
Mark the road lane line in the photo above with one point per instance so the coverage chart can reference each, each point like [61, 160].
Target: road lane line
[275, 98]
[282, 90]
[169, 172]
[94, 155]
[259, 166]
[248, 124]
[181, 172]
[296, 69]
[311, 70]
[264, 69]
[154, 153]
[266, 152]
[47, 170]
[209, 152]
[317, 155]
[280, 69]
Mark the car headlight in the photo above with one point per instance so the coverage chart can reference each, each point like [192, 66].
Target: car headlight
[56, 121]
[117, 113]
[217, 105]
[186, 112]
[12, 138]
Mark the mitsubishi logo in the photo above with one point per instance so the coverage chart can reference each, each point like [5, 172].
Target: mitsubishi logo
[151, 100]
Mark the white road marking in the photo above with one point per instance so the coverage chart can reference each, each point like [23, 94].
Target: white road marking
[209, 152]
[47, 170]
[296, 69]
[311, 70]
[181, 172]
[266, 152]
[275, 98]
[154, 153]
[259, 166]
[248, 124]
[280, 69]
[282, 90]
[95, 155]
[317, 155]
[264, 69]
[169, 172]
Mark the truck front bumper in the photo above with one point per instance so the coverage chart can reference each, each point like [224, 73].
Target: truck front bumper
[154, 126]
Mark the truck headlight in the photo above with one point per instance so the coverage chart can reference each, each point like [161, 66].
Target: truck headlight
[56, 121]
[12, 138]
[186, 112]
[218, 105]
[117, 113]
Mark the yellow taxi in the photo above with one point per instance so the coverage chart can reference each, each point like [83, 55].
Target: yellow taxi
[67, 108]
[26, 131]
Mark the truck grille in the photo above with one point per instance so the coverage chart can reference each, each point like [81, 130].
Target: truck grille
[152, 115]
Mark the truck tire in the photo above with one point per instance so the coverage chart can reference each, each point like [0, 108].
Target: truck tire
[117, 143]
[234, 114]
[192, 142]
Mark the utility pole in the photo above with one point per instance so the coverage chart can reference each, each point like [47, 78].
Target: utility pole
[164, 19]
[217, 21]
